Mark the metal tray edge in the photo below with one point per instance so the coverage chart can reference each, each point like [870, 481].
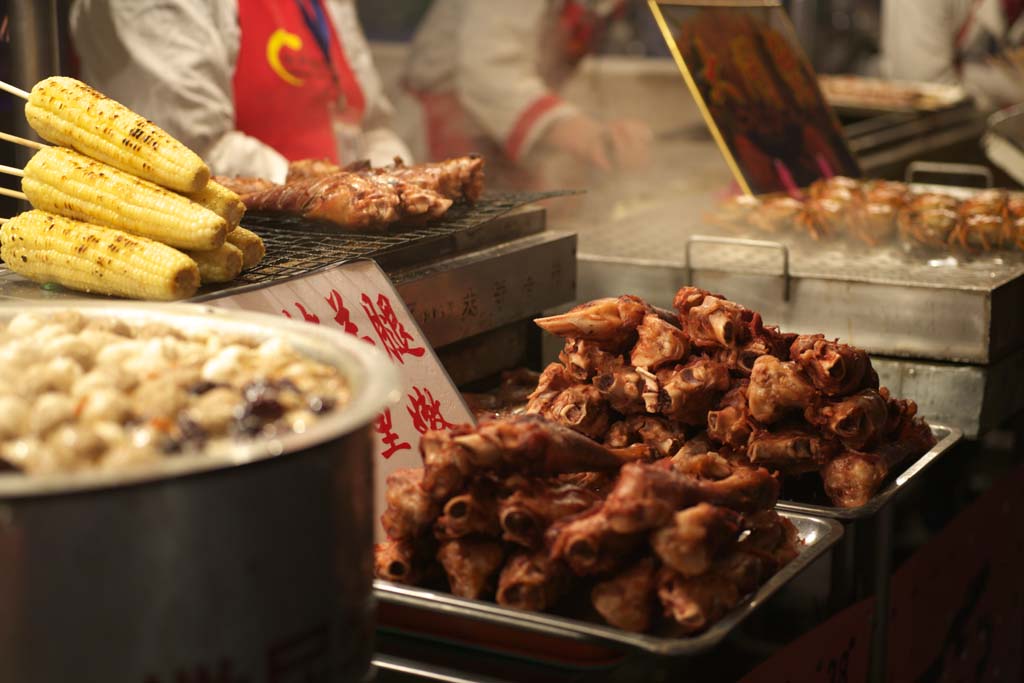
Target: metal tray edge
[946, 437]
[829, 532]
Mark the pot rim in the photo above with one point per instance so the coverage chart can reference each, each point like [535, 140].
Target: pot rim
[373, 379]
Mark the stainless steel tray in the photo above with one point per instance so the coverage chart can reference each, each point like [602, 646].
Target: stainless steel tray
[946, 438]
[818, 535]
[972, 398]
[933, 307]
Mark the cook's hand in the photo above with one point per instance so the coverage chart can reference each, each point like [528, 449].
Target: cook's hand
[623, 143]
[630, 143]
[583, 138]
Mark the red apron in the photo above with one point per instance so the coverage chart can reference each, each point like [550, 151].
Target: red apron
[288, 93]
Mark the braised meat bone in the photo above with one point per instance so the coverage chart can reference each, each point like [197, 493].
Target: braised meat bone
[611, 323]
[526, 444]
[532, 581]
[535, 504]
[628, 600]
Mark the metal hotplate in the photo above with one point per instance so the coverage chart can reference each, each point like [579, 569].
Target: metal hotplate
[933, 306]
[297, 247]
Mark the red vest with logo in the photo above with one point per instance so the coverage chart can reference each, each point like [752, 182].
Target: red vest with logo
[288, 93]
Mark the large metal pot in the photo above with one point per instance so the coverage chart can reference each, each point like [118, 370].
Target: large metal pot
[248, 568]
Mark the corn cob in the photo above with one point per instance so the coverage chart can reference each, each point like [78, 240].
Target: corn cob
[218, 265]
[62, 181]
[221, 201]
[70, 113]
[251, 245]
[90, 258]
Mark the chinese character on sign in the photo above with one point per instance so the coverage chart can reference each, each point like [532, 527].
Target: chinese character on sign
[500, 290]
[391, 332]
[425, 411]
[306, 315]
[342, 316]
[390, 437]
[469, 307]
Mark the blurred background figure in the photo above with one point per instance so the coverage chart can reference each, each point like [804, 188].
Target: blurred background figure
[250, 85]
[484, 76]
[975, 43]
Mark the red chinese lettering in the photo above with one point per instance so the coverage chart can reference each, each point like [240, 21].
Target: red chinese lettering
[389, 436]
[343, 317]
[425, 411]
[393, 336]
[306, 315]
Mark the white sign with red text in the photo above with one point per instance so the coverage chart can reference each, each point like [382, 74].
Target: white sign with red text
[359, 298]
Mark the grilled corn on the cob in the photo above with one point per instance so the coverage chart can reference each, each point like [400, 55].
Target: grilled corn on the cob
[90, 258]
[251, 245]
[218, 265]
[62, 181]
[221, 201]
[68, 112]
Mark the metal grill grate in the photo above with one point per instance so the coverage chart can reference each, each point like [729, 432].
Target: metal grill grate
[296, 246]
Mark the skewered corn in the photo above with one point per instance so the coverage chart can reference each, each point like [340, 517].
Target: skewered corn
[251, 245]
[62, 181]
[90, 258]
[221, 201]
[218, 265]
[67, 112]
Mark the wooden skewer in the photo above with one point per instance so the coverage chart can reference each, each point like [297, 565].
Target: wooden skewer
[17, 92]
[4, 220]
[21, 141]
[13, 193]
[10, 170]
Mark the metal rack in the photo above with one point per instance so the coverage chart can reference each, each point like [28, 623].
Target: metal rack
[297, 247]
[472, 281]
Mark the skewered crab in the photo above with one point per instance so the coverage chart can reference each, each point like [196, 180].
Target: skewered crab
[776, 214]
[839, 188]
[928, 220]
[984, 222]
[824, 218]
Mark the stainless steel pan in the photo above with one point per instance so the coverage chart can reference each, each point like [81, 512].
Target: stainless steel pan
[252, 565]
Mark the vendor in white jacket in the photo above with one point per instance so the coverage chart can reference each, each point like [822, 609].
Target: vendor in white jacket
[484, 75]
[249, 85]
[973, 43]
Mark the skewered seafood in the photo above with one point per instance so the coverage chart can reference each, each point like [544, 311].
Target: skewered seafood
[875, 212]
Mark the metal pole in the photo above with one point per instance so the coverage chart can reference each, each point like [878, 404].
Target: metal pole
[804, 15]
[35, 53]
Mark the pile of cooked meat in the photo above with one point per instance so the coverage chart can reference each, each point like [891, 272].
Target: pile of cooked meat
[539, 517]
[644, 470]
[358, 198]
[878, 212]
